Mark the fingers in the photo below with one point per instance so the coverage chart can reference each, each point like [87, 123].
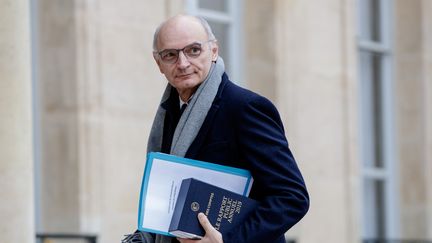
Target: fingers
[211, 234]
[205, 223]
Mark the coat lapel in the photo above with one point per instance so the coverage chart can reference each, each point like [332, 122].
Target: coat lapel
[208, 122]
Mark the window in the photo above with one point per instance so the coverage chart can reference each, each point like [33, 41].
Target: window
[224, 16]
[376, 94]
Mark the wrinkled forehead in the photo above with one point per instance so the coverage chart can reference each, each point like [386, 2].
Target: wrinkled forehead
[181, 31]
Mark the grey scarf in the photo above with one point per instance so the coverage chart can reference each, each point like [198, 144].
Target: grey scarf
[189, 124]
[193, 116]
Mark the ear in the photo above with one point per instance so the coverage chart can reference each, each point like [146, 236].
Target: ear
[157, 60]
[215, 51]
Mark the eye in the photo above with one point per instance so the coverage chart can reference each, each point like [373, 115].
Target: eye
[193, 51]
[168, 54]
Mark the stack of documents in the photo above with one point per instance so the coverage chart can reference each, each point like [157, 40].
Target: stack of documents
[161, 183]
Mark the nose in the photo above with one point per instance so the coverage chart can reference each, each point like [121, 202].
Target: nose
[182, 62]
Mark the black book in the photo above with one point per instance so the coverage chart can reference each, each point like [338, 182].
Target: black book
[224, 209]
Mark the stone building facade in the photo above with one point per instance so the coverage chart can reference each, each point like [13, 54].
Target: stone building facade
[352, 80]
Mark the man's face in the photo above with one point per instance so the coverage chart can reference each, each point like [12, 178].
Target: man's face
[186, 73]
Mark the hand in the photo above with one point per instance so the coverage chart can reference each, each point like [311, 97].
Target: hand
[211, 234]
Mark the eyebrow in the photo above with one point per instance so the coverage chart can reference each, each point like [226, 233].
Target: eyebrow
[196, 42]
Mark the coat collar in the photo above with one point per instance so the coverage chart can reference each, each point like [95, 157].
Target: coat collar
[200, 138]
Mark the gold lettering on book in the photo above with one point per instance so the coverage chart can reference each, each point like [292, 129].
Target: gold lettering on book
[220, 214]
[239, 205]
[227, 210]
[210, 201]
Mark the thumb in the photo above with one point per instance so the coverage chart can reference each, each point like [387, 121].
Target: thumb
[205, 223]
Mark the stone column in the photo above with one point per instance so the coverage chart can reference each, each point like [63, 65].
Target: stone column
[260, 62]
[427, 75]
[16, 165]
[411, 87]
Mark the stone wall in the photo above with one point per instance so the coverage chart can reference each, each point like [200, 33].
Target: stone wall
[316, 93]
[98, 89]
[413, 72]
[16, 136]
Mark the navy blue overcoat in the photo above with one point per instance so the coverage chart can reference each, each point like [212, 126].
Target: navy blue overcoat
[244, 130]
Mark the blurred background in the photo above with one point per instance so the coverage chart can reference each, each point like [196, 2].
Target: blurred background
[352, 80]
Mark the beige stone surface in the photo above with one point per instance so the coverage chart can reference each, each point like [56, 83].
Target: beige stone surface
[58, 179]
[99, 88]
[260, 51]
[410, 85]
[427, 80]
[316, 78]
[16, 153]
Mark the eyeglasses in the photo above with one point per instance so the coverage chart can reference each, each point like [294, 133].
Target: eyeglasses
[170, 56]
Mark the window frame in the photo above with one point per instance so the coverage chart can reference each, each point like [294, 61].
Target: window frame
[383, 48]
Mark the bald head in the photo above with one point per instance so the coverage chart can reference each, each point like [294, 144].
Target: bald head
[181, 23]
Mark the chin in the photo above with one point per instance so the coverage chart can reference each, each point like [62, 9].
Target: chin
[186, 83]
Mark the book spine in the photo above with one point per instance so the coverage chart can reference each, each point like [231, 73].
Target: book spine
[181, 199]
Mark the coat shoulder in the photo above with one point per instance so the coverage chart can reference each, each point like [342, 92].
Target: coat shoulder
[235, 94]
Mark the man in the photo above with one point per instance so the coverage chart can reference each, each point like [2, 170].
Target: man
[224, 124]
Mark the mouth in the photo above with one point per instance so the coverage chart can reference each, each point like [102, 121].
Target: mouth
[184, 75]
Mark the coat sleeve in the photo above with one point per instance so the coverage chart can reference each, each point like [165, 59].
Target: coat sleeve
[278, 183]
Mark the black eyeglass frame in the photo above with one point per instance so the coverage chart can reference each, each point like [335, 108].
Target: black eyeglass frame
[177, 51]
